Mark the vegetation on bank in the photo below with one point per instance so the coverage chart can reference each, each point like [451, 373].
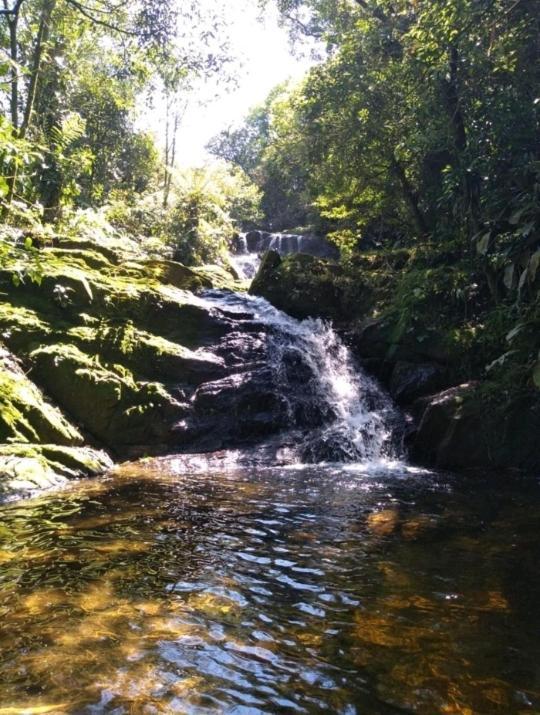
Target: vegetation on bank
[76, 81]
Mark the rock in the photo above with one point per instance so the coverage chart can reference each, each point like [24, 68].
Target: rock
[219, 277]
[301, 285]
[177, 274]
[242, 406]
[462, 428]
[255, 241]
[148, 357]
[25, 414]
[27, 467]
[410, 381]
[106, 400]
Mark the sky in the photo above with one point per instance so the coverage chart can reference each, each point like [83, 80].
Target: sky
[264, 51]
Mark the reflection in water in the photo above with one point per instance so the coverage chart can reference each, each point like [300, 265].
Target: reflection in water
[308, 590]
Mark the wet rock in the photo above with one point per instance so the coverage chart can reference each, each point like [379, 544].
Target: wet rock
[463, 427]
[27, 467]
[242, 406]
[410, 381]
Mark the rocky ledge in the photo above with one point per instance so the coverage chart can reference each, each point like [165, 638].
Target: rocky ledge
[99, 357]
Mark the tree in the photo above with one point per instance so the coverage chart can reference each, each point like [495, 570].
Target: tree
[91, 58]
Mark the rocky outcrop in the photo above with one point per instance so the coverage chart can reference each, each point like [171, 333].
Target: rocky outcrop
[301, 285]
[464, 428]
[41, 447]
[106, 350]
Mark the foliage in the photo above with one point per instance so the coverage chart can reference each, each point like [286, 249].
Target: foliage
[71, 80]
[209, 206]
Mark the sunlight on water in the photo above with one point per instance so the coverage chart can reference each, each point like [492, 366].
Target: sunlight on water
[361, 589]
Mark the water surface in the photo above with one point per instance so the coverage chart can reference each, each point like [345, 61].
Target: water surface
[322, 589]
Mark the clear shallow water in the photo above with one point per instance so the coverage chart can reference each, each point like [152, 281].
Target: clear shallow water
[322, 589]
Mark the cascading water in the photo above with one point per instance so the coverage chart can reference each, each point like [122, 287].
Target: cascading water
[249, 247]
[338, 412]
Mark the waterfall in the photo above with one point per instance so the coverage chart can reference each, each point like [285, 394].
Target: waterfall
[335, 410]
[248, 248]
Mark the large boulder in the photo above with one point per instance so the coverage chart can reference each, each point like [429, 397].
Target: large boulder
[105, 399]
[27, 467]
[301, 285]
[463, 427]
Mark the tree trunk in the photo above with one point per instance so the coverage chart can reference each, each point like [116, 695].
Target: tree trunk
[41, 41]
[470, 182]
[410, 197]
[14, 73]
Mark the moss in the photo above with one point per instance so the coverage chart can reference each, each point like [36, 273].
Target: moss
[25, 415]
[147, 355]
[21, 326]
[305, 286]
[219, 277]
[26, 467]
[105, 398]
[176, 274]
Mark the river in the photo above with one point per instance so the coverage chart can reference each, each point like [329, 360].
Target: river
[338, 578]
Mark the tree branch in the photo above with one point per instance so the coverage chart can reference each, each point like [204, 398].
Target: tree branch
[84, 11]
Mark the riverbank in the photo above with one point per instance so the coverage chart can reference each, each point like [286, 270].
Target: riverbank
[111, 353]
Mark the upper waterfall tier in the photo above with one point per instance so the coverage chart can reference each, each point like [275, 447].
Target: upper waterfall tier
[248, 247]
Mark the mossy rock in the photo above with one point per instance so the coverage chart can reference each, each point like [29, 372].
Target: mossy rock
[25, 415]
[301, 285]
[20, 327]
[461, 428]
[27, 467]
[219, 277]
[147, 355]
[176, 274]
[105, 399]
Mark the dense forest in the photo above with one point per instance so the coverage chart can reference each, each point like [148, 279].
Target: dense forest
[75, 79]
[418, 136]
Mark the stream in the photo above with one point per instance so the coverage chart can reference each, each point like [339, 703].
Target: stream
[307, 572]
